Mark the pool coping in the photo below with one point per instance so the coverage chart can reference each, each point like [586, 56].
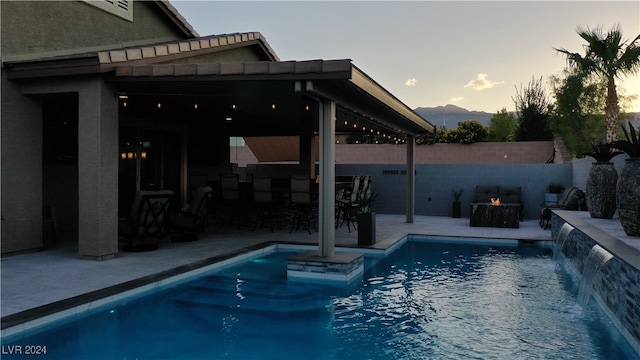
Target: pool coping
[66, 304]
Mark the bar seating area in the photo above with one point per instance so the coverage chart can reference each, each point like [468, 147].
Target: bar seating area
[276, 200]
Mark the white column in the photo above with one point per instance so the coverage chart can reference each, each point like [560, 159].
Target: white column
[327, 186]
[411, 177]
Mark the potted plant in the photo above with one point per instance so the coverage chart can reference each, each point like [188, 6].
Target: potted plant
[366, 218]
[457, 206]
[628, 186]
[553, 192]
[600, 193]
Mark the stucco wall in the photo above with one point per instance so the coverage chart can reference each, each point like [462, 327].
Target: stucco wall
[21, 130]
[435, 182]
[524, 152]
[26, 26]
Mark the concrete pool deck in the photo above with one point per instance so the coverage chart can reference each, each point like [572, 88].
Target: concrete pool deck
[33, 281]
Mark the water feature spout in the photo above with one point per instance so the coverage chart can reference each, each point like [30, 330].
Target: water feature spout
[565, 230]
[595, 260]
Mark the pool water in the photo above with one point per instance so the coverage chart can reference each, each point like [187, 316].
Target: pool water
[427, 300]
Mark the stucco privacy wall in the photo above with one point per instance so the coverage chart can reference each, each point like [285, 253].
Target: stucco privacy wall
[525, 152]
[434, 183]
[522, 152]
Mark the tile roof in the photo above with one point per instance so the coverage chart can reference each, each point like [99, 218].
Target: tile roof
[183, 47]
[106, 60]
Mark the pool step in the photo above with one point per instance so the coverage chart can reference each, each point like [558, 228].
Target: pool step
[252, 295]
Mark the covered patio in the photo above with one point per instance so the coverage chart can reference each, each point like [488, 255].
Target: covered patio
[313, 100]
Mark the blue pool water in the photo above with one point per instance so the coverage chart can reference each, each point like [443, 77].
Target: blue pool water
[428, 300]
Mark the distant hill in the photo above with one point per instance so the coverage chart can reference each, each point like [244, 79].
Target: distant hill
[450, 115]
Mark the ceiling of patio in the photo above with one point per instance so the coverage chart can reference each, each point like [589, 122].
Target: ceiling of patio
[265, 98]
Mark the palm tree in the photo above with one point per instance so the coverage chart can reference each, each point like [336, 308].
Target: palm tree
[608, 56]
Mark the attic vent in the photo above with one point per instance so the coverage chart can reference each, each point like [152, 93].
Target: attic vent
[121, 8]
[123, 4]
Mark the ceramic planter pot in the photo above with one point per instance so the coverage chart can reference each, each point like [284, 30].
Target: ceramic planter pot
[601, 190]
[628, 196]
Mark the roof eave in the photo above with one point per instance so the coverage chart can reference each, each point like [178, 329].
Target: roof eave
[177, 18]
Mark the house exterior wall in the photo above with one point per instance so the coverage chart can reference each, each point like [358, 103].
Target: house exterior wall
[21, 156]
[27, 32]
[27, 27]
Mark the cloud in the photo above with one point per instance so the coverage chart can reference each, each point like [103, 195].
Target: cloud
[411, 82]
[481, 83]
[456, 99]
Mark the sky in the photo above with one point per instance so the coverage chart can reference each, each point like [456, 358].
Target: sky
[473, 54]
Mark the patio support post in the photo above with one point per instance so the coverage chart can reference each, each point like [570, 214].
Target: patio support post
[411, 177]
[98, 172]
[306, 153]
[327, 186]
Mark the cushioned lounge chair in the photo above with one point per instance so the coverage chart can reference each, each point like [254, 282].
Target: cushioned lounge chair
[570, 199]
[146, 219]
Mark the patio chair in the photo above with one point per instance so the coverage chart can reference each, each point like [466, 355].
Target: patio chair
[192, 219]
[300, 197]
[571, 199]
[230, 196]
[263, 199]
[146, 219]
[347, 206]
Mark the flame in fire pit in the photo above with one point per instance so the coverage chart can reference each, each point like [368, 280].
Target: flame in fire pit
[495, 201]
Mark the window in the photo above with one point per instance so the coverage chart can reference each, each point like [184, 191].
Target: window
[122, 8]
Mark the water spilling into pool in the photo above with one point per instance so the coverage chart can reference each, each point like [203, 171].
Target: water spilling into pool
[427, 300]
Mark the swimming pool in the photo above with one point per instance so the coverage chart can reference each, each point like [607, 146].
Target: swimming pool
[429, 299]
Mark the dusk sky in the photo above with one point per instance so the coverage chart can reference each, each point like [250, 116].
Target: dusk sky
[473, 54]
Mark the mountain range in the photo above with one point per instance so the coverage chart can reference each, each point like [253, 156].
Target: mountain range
[450, 115]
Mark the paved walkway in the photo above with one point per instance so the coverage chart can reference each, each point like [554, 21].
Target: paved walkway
[35, 279]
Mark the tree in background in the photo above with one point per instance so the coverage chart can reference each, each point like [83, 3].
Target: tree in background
[429, 139]
[467, 132]
[532, 107]
[502, 126]
[607, 56]
[576, 116]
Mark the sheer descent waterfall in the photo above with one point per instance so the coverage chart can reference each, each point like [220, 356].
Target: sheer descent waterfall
[562, 237]
[597, 257]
